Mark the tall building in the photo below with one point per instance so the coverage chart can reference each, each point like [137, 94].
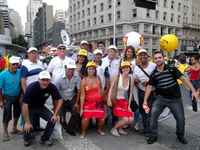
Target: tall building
[92, 20]
[32, 9]
[62, 16]
[42, 23]
[16, 21]
[5, 38]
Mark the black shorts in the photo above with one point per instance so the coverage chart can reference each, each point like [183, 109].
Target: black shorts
[7, 112]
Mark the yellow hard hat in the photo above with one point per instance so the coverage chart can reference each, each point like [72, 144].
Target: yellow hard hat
[91, 64]
[169, 42]
[125, 64]
[83, 52]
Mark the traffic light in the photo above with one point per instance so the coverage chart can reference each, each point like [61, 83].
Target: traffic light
[149, 4]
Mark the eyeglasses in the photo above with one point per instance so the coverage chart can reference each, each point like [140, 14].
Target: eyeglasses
[62, 48]
[15, 64]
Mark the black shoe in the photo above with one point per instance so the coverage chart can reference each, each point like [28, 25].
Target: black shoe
[151, 140]
[72, 133]
[47, 142]
[182, 140]
[27, 143]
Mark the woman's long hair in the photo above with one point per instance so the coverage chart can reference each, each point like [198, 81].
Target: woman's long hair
[133, 52]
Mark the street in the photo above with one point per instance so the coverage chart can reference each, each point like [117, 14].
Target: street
[134, 141]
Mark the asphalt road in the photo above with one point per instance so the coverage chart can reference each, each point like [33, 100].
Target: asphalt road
[134, 141]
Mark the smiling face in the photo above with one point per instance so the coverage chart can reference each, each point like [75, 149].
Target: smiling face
[91, 71]
[159, 59]
[143, 58]
[44, 83]
[125, 70]
[33, 56]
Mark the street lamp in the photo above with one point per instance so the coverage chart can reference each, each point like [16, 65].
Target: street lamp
[114, 22]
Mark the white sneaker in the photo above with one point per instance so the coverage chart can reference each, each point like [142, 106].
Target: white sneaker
[123, 132]
[114, 132]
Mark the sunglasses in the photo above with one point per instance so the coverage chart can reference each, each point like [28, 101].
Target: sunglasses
[15, 64]
[62, 48]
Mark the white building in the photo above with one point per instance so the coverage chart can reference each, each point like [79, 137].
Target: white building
[5, 38]
[92, 20]
[62, 16]
[16, 20]
[32, 10]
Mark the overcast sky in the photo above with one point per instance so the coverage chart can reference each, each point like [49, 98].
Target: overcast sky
[20, 6]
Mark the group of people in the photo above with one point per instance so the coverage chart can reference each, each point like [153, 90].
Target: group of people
[101, 86]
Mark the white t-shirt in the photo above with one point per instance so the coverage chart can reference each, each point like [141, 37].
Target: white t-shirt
[113, 66]
[30, 70]
[57, 67]
[100, 73]
[141, 76]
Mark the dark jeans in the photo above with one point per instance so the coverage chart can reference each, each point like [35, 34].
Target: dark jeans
[176, 107]
[11, 101]
[145, 116]
[45, 114]
[74, 122]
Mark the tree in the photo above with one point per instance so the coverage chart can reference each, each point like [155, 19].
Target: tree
[20, 41]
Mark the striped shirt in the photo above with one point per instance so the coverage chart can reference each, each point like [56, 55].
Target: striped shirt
[165, 82]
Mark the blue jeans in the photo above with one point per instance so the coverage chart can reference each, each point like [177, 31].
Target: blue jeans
[45, 114]
[176, 107]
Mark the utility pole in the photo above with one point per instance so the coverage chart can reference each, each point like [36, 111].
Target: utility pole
[114, 22]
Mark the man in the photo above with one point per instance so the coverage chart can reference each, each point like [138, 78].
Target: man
[142, 74]
[56, 65]
[34, 105]
[9, 95]
[101, 46]
[85, 45]
[164, 79]
[110, 65]
[31, 67]
[69, 87]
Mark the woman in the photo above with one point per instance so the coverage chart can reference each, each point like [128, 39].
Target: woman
[120, 96]
[92, 105]
[81, 62]
[194, 76]
[130, 56]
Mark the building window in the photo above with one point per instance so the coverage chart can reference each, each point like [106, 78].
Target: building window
[95, 9]
[88, 11]
[79, 15]
[118, 15]
[109, 4]
[83, 13]
[134, 12]
[70, 19]
[179, 6]
[101, 19]
[79, 26]
[148, 13]
[78, 4]
[109, 17]
[118, 3]
[95, 21]
[88, 1]
[89, 24]
[101, 7]
[179, 19]
[74, 7]
[157, 14]
[165, 16]
[172, 18]
[165, 3]
[83, 3]
[172, 5]
[83, 24]
[70, 9]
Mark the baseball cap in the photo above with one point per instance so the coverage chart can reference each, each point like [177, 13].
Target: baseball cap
[84, 42]
[61, 46]
[142, 51]
[125, 64]
[14, 60]
[112, 47]
[32, 49]
[91, 64]
[44, 75]
[97, 51]
[83, 52]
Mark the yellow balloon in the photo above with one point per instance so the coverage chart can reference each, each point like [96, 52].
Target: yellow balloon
[169, 42]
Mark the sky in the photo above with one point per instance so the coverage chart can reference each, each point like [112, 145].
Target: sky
[20, 6]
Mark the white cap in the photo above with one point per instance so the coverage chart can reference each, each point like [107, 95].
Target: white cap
[112, 47]
[32, 49]
[142, 51]
[14, 60]
[84, 42]
[44, 75]
[97, 51]
[61, 45]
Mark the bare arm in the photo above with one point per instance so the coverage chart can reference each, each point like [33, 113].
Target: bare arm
[131, 90]
[82, 95]
[25, 112]
[147, 93]
[1, 99]
[57, 106]
[23, 84]
[109, 102]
